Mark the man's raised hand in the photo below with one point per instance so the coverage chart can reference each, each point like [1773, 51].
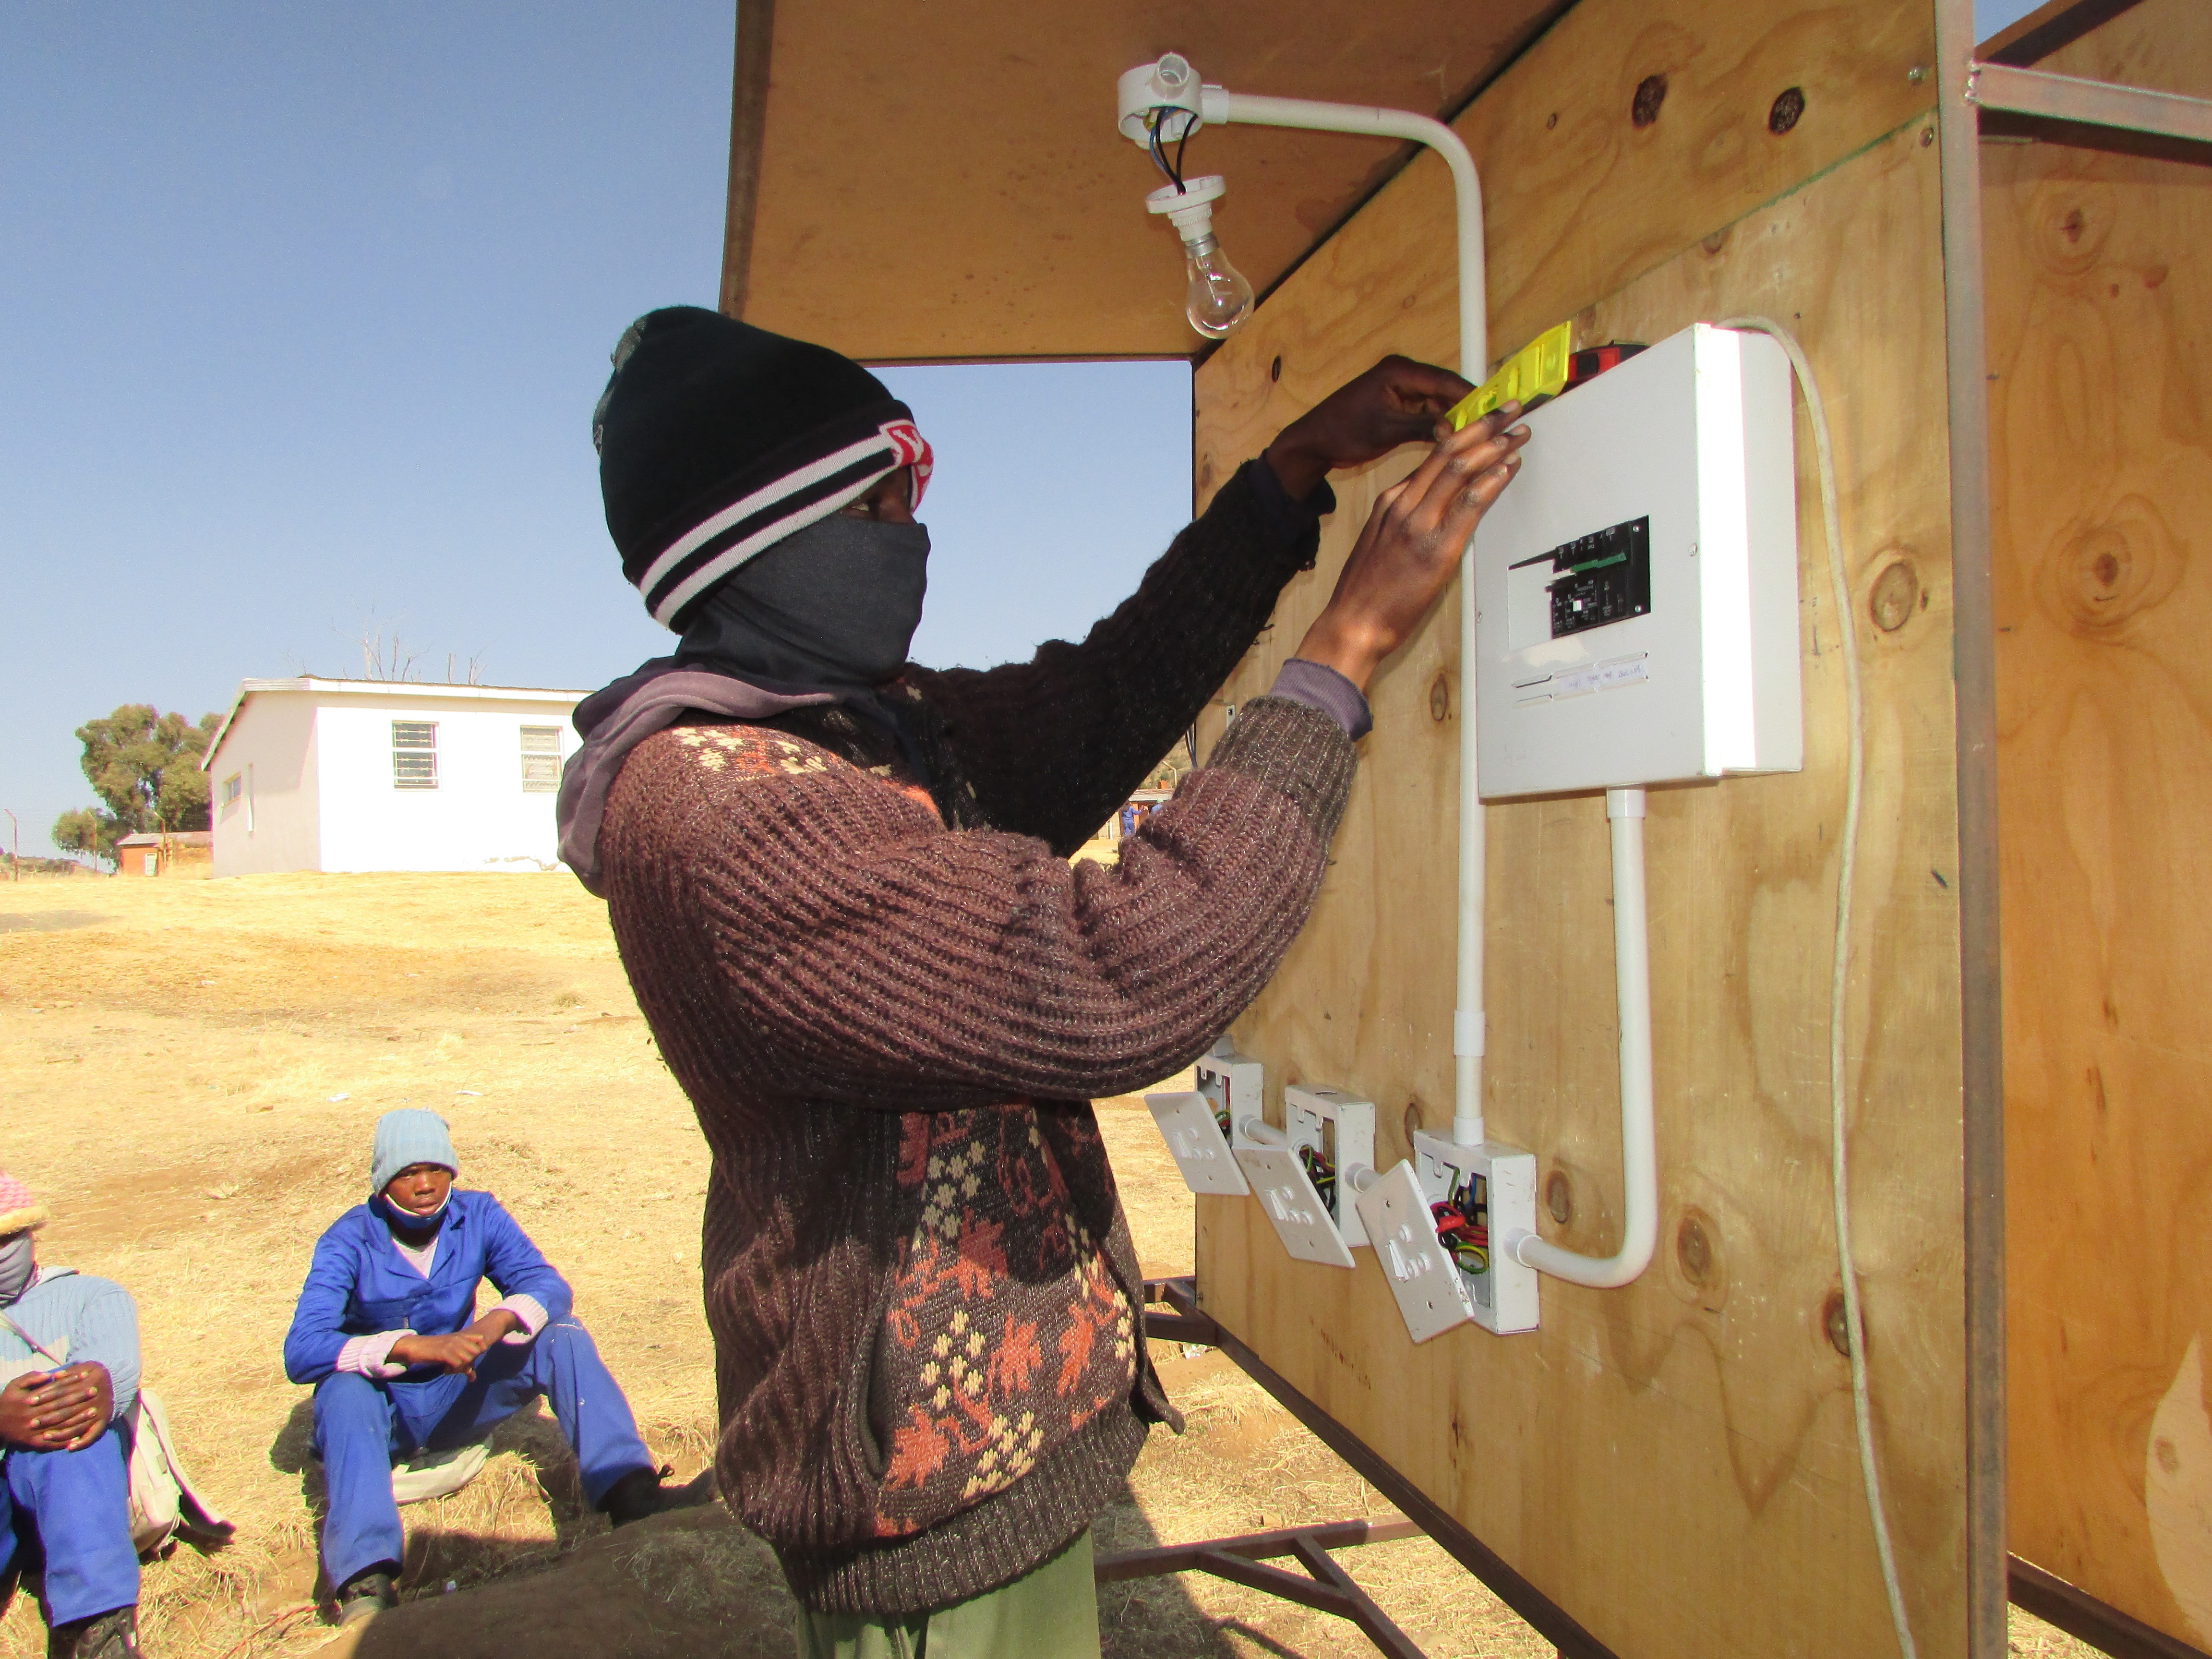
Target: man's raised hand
[1411, 545]
[1397, 402]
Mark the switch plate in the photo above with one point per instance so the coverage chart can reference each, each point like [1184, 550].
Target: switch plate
[1314, 1117]
[1432, 1294]
[1636, 591]
[1195, 1139]
[1503, 1300]
[1288, 1199]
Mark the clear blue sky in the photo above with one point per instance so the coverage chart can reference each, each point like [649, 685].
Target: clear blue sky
[307, 307]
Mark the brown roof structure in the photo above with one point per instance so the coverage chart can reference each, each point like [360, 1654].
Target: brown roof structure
[912, 183]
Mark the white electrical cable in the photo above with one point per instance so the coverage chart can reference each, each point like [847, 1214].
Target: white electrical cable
[1838, 986]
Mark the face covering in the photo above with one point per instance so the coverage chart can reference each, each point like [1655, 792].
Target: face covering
[833, 606]
[406, 1220]
[16, 1268]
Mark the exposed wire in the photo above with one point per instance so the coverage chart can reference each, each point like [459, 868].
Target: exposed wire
[1171, 173]
[1838, 983]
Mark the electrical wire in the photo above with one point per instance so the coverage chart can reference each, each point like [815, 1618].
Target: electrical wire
[1172, 173]
[1838, 986]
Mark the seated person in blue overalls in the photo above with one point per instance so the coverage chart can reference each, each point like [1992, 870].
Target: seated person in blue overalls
[384, 1331]
[69, 1350]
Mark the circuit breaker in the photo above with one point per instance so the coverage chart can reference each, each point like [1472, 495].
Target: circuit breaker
[1636, 588]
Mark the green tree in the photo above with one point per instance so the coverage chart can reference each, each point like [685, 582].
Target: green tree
[145, 768]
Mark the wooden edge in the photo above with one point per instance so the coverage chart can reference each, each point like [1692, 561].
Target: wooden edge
[1980, 966]
[2055, 23]
[755, 39]
[2085, 135]
[2084, 1617]
[1544, 1616]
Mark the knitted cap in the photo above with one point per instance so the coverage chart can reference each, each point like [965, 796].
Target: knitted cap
[18, 1210]
[717, 439]
[410, 1135]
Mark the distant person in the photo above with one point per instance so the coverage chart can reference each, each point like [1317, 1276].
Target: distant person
[383, 1331]
[840, 884]
[69, 1350]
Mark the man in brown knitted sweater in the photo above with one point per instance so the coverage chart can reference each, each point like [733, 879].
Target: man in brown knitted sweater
[840, 885]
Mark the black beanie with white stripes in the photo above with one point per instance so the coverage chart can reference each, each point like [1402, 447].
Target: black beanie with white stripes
[717, 439]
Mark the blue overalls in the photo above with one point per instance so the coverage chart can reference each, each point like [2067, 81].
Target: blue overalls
[69, 1512]
[360, 1285]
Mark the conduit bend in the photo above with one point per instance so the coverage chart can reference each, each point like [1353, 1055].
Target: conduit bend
[1639, 1157]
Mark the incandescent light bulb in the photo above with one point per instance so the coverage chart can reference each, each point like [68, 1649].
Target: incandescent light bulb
[1218, 300]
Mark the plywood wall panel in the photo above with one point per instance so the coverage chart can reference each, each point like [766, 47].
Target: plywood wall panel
[2100, 284]
[1672, 1462]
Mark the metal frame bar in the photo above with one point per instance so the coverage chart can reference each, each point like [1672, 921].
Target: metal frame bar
[1240, 1560]
[2083, 1616]
[1981, 983]
[2079, 102]
[1544, 1615]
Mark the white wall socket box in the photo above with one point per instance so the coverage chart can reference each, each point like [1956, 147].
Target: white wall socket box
[1194, 1138]
[1431, 1293]
[1235, 1084]
[1636, 588]
[1339, 1130]
[1502, 1300]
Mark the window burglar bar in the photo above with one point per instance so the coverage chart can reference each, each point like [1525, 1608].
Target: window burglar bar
[541, 759]
[414, 754]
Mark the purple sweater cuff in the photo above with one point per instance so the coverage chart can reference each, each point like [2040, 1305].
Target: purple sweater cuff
[1319, 686]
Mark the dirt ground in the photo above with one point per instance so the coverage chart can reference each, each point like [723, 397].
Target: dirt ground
[190, 1072]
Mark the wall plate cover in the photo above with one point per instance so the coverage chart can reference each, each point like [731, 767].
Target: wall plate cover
[1193, 1137]
[1432, 1294]
[1340, 1127]
[1302, 1220]
[1236, 1085]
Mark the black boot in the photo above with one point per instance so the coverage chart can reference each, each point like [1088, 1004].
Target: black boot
[366, 1595]
[640, 1494]
[112, 1635]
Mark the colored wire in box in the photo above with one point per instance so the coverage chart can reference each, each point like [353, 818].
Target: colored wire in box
[1321, 1173]
[1466, 1240]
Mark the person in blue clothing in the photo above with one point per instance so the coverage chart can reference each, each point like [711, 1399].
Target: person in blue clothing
[69, 1356]
[384, 1331]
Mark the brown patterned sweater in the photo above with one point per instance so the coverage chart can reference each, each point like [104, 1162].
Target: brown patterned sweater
[891, 1004]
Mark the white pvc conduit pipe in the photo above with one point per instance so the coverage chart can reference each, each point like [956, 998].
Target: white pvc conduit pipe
[1222, 106]
[1639, 1156]
[1624, 807]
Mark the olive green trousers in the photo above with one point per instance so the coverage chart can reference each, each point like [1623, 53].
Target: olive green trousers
[1050, 1614]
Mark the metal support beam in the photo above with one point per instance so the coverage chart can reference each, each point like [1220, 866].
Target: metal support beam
[2088, 103]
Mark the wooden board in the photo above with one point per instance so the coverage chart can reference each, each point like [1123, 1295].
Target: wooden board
[900, 215]
[1672, 1463]
[946, 181]
[2099, 279]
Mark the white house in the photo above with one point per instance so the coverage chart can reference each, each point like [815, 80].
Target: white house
[387, 774]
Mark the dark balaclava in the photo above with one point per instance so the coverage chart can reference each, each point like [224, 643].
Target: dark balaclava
[726, 454]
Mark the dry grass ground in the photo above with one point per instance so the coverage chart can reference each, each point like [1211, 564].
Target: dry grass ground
[190, 1072]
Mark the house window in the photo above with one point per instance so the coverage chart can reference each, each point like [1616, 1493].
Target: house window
[414, 754]
[541, 759]
[232, 787]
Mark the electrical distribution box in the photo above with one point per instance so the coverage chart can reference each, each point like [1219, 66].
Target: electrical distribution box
[1636, 588]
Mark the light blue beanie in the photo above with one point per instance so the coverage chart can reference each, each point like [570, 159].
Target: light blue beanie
[410, 1135]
